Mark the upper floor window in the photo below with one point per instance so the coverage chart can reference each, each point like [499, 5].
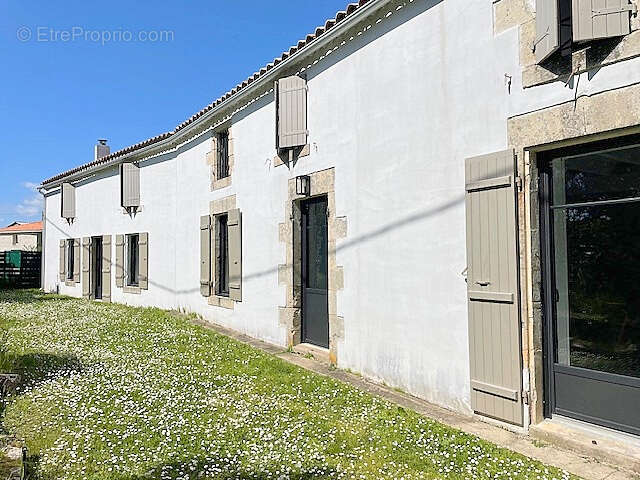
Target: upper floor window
[15, 239]
[222, 160]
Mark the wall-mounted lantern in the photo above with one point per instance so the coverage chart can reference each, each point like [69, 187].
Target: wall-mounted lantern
[303, 185]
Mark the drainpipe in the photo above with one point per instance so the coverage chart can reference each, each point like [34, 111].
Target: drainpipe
[43, 240]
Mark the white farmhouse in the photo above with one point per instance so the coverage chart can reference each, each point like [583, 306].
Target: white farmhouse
[442, 194]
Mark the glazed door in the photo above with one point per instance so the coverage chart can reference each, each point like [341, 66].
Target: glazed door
[591, 212]
[315, 267]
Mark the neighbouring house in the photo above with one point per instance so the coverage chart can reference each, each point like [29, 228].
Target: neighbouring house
[21, 236]
[444, 194]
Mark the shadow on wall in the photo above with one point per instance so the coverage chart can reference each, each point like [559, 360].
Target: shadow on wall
[344, 245]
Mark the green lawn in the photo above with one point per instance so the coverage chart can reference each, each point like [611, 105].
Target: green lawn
[114, 392]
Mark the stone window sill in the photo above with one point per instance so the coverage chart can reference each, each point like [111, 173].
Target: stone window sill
[222, 302]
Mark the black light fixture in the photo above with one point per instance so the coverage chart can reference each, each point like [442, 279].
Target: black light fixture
[303, 185]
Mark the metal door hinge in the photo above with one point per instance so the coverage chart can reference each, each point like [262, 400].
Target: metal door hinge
[519, 183]
[633, 8]
[525, 397]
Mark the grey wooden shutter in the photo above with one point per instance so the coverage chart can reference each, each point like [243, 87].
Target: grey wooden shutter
[291, 107]
[547, 38]
[63, 264]
[86, 268]
[234, 224]
[106, 268]
[593, 19]
[492, 287]
[205, 256]
[143, 259]
[68, 201]
[76, 260]
[120, 261]
[130, 185]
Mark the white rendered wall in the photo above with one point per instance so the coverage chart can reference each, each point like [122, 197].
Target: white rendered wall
[395, 112]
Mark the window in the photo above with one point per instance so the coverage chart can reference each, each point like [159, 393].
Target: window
[222, 256]
[15, 239]
[222, 162]
[130, 187]
[70, 259]
[68, 202]
[132, 259]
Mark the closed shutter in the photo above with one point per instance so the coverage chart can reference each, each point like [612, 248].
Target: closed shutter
[68, 201]
[143, 259]
[234, 224]
[492, 287]
[76, 260]
[120, 261]
[106, 268]
[291, 112]
[63, 265]
[593, 19]
[547, 29]
[130, 185]
[205, 256]
[86, 268]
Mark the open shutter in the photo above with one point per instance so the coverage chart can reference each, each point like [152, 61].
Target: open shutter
[234, 224]
[76, 260]
[86, 268]
[68, 201]
[106, 268]
[291, 112]
[492, 287]
[143, 259]
[63, 264]
[130, 185]
[120, 261]
[205, 256]
[547, 29]
[593, 19]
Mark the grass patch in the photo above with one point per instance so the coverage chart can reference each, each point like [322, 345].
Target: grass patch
[114, 392]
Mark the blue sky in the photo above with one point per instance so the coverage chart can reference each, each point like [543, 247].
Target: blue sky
[69, 76]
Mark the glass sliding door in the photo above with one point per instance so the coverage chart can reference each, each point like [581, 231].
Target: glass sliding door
[593, 219]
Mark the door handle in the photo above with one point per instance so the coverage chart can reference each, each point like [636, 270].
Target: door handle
[483, 284]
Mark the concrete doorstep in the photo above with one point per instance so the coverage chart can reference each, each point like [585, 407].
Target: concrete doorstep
[552, 443]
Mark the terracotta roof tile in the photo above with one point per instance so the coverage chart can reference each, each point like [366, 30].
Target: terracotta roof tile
[330, 23]
[23, 227]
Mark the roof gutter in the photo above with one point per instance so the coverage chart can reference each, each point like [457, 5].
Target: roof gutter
[270, 76]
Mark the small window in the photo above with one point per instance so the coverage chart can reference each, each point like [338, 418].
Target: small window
[132, 259]
[222, 166]
[222, 256]
[70, 259]
[15, 239]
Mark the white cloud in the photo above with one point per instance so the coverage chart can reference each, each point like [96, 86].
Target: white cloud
[33, 205]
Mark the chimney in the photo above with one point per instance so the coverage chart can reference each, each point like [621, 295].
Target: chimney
[102, 149]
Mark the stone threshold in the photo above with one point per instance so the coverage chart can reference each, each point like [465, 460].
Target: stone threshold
[590, 464]
[606, 445]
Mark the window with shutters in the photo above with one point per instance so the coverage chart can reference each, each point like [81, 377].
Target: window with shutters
[291, 113]
[130, 187]
[70, 259]
[561, 23]
[222, 255]
[15, 239]
[133, 254]
[68, 202]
